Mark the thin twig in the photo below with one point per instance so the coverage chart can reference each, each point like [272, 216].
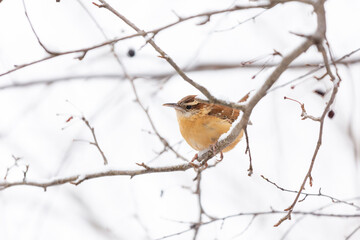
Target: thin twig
[247, 227]
[304, 114]
[36, 35]
[198, 224]
[16, 165]
[95, 142]
[247, 151]
[175, 234]
[352, 233]
[264, 213]
[244, 21]
[319, 67]
[319, 194]
[326, 61]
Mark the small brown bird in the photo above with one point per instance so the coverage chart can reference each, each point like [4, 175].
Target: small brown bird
[201, 124]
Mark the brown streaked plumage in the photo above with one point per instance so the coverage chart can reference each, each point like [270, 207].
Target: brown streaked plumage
[201, 124]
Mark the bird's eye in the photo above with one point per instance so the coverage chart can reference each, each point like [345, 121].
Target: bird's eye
[188, 107]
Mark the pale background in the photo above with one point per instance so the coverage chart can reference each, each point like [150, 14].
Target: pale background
[152, 206]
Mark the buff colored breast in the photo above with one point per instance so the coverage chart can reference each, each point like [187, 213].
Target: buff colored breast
[200, 132]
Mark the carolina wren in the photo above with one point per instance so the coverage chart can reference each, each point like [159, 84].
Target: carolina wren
[201, 124]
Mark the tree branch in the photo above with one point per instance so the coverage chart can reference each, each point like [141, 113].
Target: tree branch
[79, 178]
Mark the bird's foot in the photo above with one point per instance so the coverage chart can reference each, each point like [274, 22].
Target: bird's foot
[221, 157]
[213, 149]
[196, 166]
[196, 157]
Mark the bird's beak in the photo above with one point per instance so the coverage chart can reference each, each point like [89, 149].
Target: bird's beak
[173, 105]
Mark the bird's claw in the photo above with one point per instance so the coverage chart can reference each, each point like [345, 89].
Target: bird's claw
[196, 166]
[221, 157]
[213, 149]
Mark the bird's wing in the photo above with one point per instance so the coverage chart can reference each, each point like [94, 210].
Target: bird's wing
[226, 113]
